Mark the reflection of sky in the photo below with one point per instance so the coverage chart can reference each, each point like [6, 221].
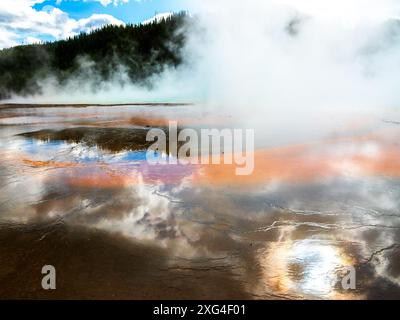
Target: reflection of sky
[307, 267]
[37, 147]
[320, 262]
[122, 164]
[77, 152]
[133, 156]
[145, 210]
[299, 229]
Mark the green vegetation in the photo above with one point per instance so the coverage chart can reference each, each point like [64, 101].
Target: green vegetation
[142, 50]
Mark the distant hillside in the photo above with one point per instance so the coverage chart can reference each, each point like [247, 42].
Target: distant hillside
[143, 50]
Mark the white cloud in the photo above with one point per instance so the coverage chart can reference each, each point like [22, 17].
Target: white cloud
[103, 2]
[158, 17]
[93, 22]
[31, 40]
[115, 2]
[19, 22]
[6, 39]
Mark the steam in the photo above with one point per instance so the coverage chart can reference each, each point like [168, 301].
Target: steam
[270, 60]
[261, 54]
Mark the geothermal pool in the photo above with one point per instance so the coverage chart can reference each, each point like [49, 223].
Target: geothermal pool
[77, 193]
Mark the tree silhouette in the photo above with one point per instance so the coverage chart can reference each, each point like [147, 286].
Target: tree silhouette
[143, 50]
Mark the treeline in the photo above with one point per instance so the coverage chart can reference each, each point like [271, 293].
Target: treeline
[142, 50]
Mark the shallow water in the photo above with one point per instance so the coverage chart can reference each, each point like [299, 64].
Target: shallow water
[77, 193]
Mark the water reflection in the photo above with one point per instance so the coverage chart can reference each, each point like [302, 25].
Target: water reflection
[306, 266]
[69, 193]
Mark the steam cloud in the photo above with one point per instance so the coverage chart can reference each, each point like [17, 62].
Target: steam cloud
[281, 59]
[301, 64]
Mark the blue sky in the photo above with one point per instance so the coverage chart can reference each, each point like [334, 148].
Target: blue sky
[130, 12]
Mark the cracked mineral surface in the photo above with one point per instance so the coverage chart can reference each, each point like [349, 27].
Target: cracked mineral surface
[77, 193]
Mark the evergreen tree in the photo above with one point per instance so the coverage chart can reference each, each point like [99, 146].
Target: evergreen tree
[143, 50]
